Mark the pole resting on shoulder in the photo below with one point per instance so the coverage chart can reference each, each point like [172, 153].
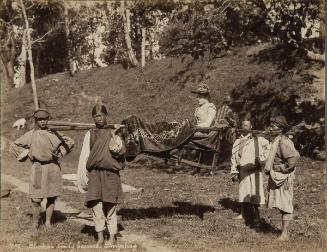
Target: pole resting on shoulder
[58, 125]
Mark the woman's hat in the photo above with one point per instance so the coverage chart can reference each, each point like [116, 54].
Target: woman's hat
[280, 121]
[41, 114]
[202, 89]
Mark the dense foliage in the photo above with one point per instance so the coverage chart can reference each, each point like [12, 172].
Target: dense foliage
[287, 92]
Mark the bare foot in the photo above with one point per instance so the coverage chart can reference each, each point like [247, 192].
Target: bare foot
[238, 217]
[48, 224]
[99, 244]
[283, 237]
[112, 240]
[35, 225]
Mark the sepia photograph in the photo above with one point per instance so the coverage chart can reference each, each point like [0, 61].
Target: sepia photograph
[163, 125]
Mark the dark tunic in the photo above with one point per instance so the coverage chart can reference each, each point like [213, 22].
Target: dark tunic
[103, 170]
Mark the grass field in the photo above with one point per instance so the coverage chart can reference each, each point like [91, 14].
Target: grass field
[184, 212]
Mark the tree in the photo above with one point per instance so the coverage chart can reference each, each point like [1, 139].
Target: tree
[9, 21]
[125, 12]
[30, 56]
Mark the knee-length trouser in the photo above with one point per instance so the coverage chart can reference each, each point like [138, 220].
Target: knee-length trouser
[105, 212]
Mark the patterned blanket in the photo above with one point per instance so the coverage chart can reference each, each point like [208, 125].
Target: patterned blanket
[162, 137]
[142, 137]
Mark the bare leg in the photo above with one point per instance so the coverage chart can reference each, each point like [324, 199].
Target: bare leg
[285, 235]
[36, 212]
[99, 221]
[100, 242]
[112, 239]
[256, 214]
[111, 217]
[241, 215]
[49, 210]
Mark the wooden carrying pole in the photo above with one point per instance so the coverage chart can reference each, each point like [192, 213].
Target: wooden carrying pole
[58, 125]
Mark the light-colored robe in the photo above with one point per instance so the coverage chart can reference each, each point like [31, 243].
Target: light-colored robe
[251, 182]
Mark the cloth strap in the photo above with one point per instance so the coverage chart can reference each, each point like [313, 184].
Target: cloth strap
[256, 151]
[277, 177]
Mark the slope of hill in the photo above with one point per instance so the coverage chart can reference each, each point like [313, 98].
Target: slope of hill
[160, 91]
[183, 211]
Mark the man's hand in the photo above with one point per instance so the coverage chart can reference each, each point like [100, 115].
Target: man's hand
[23, 155]
[19, 124]
[81, 187]
[287, 168]
[259, 163]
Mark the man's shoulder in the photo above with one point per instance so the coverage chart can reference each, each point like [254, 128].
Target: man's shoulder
[237, 141]
[262, 139]
[27, 134]
[284, 140]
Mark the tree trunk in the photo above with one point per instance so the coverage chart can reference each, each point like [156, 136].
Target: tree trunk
[70, 60]
[127, 28]
[143, 47]
[4, 75]
[21, 81]
[37, 64]
[30, 55]
[322, 28]
[6, 71]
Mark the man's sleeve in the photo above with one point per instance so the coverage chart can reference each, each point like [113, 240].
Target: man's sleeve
[82, 178]
[289, 152]
[234, 164]
[20, 147]
[66, 145]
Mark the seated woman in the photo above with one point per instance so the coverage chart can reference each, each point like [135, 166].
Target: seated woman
[205, 113]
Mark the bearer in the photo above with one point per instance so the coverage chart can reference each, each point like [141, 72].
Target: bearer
[44, 147]
[248, 154]
[100, 162]
[280, 167]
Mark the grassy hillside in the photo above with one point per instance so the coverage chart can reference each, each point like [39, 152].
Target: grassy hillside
[185, 212]
[160, 91]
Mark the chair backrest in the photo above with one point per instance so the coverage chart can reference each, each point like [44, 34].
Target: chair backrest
[222, 114]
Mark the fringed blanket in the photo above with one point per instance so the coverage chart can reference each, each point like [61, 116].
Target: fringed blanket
[142, 137]
[161, 137]
[214, 138]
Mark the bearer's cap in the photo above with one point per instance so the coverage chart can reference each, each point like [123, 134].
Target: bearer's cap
[202, 89]
[41, 114]
[99, 108]
[280, 121]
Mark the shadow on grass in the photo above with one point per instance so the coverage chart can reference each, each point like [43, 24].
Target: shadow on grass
[90, 231]
[57, 217]
[262, 227]
[180, 208]
[283, 58]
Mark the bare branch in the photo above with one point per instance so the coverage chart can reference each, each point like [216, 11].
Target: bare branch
[3, 21]
[31, 6]
[40, 39]
[12, 20]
